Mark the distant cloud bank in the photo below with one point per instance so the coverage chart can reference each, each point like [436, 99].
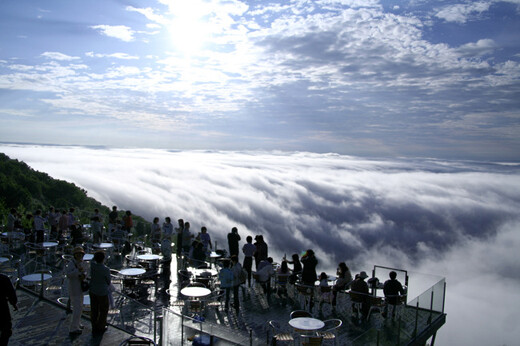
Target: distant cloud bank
[453, 219]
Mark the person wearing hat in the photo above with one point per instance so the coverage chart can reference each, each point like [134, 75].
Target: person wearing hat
[76, 272]
[360, 286]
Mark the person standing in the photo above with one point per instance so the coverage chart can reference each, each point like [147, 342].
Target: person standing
[112, 220]
[226, 281]
[205, 239]
[186, 238]
[249, 250]
[179, 231]
[7, 294]
[128, 223]
[392, 289]
[52, 220]
[11, 220]
[236, 268]
[233, 239]
[99, 290]
[39, 228]
[309, 262]
[76, 273]
[63, 224]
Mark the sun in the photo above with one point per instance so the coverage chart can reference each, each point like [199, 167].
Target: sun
[189, 29]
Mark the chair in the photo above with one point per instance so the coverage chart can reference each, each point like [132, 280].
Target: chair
[300, 313]
[281, 283]
[325, 295]
[376, 304]
[357, 299]
[327, 332]
[205, 280]
[278, 334]
[311, 340]
[137, 340]
[307, 292]
[184, 278]
[396, 302]
[217, 299]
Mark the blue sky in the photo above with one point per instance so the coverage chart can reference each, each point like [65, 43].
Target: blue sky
[370, 78]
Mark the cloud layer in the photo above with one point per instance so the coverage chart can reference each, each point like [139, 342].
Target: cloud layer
[447, 218]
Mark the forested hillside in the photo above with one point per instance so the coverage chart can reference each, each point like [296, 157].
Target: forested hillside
[25, 189]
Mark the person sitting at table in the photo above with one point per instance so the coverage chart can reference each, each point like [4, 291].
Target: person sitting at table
[283, 273]
[342, 283]
[76, 235]
[324, 282]
[392, 289]
[199, 255]
[99, 289]
[76, 272]
[249, 250]
[360, 286]
[264, 275]
[226, 281]
[262, 250]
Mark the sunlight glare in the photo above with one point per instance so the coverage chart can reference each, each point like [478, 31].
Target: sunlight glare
[189, 29]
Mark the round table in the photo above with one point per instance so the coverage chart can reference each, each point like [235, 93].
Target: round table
[36, 277]
[88, 257]
[200, 271]
[3, 259]
[306, 323]
[195, 292]
[14, 235]
[214, 255]
[149, 257]
[49, 244]
[132, 271]
[103, 245]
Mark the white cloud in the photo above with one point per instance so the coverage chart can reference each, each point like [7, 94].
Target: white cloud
[121, 32]
[122, 56]
[58, 56]
[460, 13]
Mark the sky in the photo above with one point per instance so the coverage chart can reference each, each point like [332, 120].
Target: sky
[436, 218]
[355, 77]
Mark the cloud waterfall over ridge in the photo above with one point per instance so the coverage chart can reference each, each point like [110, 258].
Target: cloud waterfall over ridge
[454, 219]
[338, 205]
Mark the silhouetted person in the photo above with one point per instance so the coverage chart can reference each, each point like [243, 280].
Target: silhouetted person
[392, 289]
[99, 283]
[360, 286]
[233, 239]
[7, 294]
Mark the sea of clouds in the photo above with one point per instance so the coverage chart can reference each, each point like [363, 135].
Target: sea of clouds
[454, 219]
